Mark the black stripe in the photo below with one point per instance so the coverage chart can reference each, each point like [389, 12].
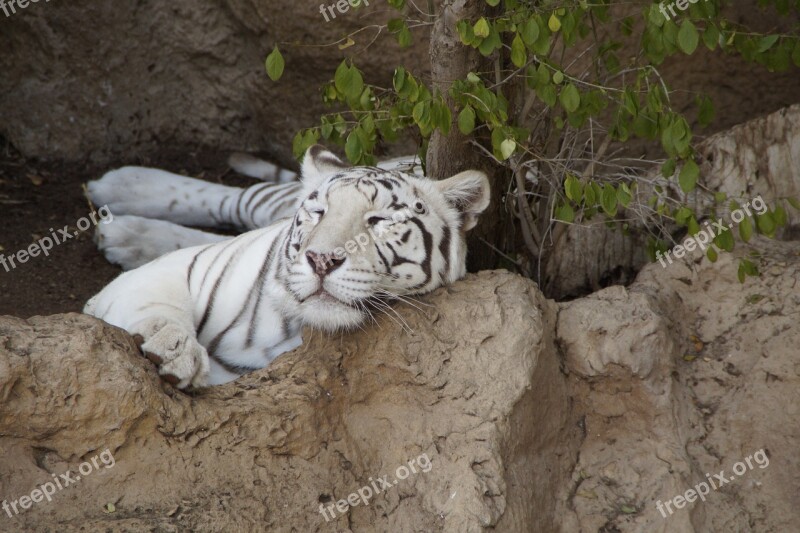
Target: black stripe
[427, 239]
[383, 259]
[212, 296]
[258, 188]
[233, 369]
[398, 259]
[191, 265]
[212, 346]
[444, 249]
[293, 187]
[251, 330]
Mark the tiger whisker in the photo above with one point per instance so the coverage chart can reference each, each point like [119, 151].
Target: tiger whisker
[406, 299]
[399, 319]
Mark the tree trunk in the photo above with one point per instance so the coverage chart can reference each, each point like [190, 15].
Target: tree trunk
[453, 153]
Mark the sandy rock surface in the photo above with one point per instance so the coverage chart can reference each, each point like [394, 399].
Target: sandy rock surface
[519, 414]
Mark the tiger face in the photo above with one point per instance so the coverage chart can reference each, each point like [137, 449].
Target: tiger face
[363, 235]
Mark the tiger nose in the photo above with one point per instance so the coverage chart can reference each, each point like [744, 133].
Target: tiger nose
[324, 264]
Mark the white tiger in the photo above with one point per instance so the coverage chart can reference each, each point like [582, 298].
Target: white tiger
[243, 301]
[152, 206]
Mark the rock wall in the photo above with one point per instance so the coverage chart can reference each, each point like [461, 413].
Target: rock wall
[535, 416]
[117, 80]
[114, 80]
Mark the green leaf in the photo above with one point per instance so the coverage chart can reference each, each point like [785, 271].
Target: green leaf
[688, 176]
[794, 202]
[623, 195]
[706, 112]
[302, 141]
[682, 215]
[422, 113]
[348, 81]
[275, 64]
[554, 23]
[570, 98]
[481, 28]
[395, 25]
[399, 79]
[687, 37]
[565, 213]
[558, 77]
[692, 227]
[766, 224]
[548, 94]
[466, 33]
[507, 148]
[609, 200]
[353, 148]
[668, 168]
[519, 56]
[589, 195]
[466, 120]
[746, 268]
[746, 229]
[404, 37]
[712, 255]
[530, 31]
[724, 240]
[766, 43]
[711, 37]
[493, 3]
[573, 188]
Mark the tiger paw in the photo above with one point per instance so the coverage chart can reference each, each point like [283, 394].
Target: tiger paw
[180, 359]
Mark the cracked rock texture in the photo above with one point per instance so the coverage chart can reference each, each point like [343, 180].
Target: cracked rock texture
[535, 416]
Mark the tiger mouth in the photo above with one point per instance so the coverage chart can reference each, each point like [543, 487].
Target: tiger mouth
[324, 296]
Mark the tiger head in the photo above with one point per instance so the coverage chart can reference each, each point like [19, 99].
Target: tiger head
[363, 235]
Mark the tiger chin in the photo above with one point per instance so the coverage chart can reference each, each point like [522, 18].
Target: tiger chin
[360, 238]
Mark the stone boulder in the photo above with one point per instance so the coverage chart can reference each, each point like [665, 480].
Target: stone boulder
[483, 406]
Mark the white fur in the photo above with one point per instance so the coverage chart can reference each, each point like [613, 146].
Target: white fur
[132, 241]
[245, 300]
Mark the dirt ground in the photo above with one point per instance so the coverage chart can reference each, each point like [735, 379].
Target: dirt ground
[36, 196]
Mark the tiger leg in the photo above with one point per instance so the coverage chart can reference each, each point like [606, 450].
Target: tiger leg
[131, 241]
[154, 304]
[157, 194]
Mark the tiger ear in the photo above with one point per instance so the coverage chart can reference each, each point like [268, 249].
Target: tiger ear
[318, 164]
[469, 193]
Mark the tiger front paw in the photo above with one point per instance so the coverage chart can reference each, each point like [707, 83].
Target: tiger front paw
[179, 358]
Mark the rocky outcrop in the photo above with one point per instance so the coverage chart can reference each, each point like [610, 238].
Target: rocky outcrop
[519, 415]
[686, 373]
[486, 406]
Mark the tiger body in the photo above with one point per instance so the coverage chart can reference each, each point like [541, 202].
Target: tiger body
[212, 312]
